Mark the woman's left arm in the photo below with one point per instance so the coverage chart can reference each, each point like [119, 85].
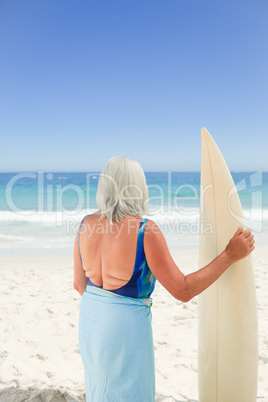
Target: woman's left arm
[80, 279]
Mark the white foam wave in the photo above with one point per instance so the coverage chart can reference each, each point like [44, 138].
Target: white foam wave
[7, 237]
[163, 216]
[43, 217]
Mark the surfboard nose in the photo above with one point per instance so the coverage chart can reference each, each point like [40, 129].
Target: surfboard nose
[207, 141]
[205, 133]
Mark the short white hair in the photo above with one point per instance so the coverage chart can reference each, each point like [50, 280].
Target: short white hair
[122, 189]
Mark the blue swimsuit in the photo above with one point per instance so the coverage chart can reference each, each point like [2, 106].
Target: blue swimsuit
[142, 282]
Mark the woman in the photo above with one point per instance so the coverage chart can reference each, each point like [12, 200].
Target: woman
[117, 258]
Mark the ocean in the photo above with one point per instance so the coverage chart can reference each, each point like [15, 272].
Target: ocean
[40, 211]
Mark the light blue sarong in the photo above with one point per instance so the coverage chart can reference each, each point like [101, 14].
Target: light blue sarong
[116, 347]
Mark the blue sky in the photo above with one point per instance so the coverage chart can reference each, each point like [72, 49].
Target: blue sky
[84, 80]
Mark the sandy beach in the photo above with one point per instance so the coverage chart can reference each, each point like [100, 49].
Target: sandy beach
[40, 358]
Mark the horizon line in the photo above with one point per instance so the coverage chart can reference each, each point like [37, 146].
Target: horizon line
[145, 171]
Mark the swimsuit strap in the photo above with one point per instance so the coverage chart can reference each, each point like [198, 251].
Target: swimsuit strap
[140, 255]
[79, 238]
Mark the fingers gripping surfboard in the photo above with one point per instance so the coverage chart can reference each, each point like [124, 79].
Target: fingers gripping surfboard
[227, 310]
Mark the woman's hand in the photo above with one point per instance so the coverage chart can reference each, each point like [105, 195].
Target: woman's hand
[240, 245]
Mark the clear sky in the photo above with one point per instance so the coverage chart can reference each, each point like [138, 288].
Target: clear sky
[84, 80]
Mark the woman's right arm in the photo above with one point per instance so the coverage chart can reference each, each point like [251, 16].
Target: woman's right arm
[183, 287]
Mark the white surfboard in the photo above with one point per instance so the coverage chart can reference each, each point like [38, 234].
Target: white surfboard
[227, 310]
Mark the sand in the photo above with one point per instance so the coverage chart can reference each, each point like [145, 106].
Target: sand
[39, 351]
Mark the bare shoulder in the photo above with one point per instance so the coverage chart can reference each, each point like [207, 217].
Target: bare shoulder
[152, 229]
[151, 226]
[88, 222]
[154, 239]
[92, 218]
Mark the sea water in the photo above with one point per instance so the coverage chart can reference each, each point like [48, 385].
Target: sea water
[41, 210]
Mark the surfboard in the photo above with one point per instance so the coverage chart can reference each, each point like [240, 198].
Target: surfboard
[227, 310]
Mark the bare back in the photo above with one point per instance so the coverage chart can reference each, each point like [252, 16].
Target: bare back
[108, 251]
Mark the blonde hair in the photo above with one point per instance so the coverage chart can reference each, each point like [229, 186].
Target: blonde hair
[122, 189]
